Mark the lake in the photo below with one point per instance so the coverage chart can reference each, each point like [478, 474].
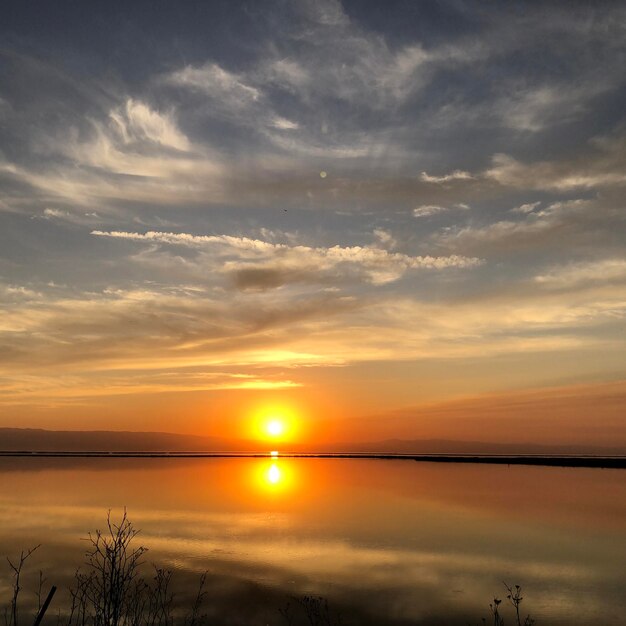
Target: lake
[385, 541]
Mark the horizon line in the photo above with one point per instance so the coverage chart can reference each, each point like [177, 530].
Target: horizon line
[552, 460]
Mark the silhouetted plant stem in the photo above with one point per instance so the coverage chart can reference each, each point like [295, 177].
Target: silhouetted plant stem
[42, 609]
[17, 572]
[194, 616]
[497, 619]
[515, 598]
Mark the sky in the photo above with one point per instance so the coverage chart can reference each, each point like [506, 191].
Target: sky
[399, 219]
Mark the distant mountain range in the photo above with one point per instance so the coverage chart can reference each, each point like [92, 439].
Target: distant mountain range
[29, 439]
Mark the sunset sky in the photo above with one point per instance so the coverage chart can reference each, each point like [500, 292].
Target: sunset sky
[379, 219]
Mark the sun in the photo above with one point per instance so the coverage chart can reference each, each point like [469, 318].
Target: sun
[276, 423]
[275, 427]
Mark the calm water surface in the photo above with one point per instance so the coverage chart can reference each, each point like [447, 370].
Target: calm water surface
[387, 542]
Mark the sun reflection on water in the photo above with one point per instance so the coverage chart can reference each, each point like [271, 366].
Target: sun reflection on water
[273, 474]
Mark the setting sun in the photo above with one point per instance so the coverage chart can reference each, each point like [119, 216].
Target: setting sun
[275, 422]
[275, 427]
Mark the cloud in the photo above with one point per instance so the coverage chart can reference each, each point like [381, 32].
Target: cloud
[269, 261]
[529, 207]
[534, 227]
[57, 213]
[345, 63]
[288, 74]
[426, 210]
[227, 90]
[534, 109]
[604, 169]
[524, 317]
[140, 330]
[72, 217]
[246, 100]
[324, 57]
[498, 231]
[112, 339]
[446, 178]
[135, 154]
[308, 146]
[169, 145]
[284, 124]
[75, 387]
[325, 12]
[136, 141]
[136, 121]
[249, 100]
[385, 238]
[589, 272]
[151, 339]
[271, 277]
[321, 85]
[12, 293]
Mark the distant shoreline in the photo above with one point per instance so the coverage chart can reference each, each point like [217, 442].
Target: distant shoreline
[603, 462]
